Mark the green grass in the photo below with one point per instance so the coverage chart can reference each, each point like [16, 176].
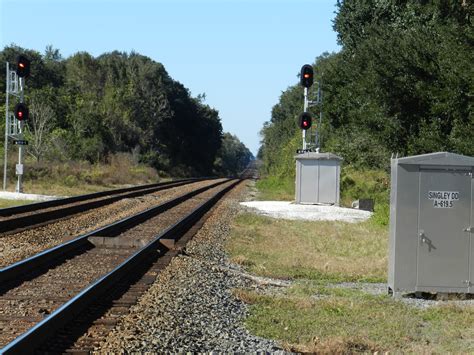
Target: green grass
[11, 203]
[60, 189]
[373, 184]
[274, 188]
[314, 316]
[333, 251]
[357, 184]
[352, 321]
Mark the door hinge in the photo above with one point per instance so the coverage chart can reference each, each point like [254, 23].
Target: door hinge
[422, 236]
[469, 230]
[467, 282]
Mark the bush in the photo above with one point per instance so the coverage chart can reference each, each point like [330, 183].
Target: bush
[71, 181]
[372, 184]
[276, 188]
[381, 216]
[121, 169]
[357, 184]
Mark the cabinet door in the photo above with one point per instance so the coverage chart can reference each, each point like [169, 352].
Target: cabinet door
[309, 181]
[444, 215]
[327, 188]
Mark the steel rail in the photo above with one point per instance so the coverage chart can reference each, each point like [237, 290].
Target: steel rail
[8, 211]
[15, 271]
[40, 218]
[34, 337]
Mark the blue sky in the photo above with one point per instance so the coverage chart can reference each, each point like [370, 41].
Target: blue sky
[241, 53]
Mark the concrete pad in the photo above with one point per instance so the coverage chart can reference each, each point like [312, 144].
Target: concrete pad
[293, 211]
[7, 195]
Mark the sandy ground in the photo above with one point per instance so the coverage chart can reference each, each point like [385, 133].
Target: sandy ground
[7, 195]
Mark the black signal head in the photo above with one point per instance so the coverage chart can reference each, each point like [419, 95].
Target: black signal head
[305, 121]
[307, 74]
[22, 66]
[21, 112]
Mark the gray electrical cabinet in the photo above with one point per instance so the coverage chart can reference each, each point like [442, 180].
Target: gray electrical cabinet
[317, 178]
[431, 243]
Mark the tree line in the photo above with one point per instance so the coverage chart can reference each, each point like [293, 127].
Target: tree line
[401, 83]
[88, 108]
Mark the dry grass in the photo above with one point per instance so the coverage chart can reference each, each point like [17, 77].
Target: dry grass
[11, 203]
[351, 321]
[76, 178]
[58, 189]
[245, 296]
[333, 345]
[311, 316]
[297, 249]
[241, 260]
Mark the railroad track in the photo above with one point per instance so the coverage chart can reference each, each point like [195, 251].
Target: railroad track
[19, 218]
[35, 239]
[91, 274]
[251, 172]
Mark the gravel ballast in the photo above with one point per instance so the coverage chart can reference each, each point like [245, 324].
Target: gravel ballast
[191, 306]
[17, 246]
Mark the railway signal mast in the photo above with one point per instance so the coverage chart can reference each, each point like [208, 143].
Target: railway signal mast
[305, 119]
[317, 174]
[14, 121]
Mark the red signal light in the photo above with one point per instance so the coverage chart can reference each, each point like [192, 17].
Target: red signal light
[304, 121]
[306, 77]
[22, 66]
[21, 112]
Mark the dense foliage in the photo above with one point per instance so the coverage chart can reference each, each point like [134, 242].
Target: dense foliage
[86, 108]
[402, 83]
[233, 156]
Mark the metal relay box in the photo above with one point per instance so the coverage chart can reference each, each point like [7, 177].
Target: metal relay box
[317, 178]
[431, 242]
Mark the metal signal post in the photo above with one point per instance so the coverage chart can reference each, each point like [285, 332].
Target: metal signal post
[306, 80]
[305, 119]
[318, 135]
[5, 147]
[14, 122]
[305, 109]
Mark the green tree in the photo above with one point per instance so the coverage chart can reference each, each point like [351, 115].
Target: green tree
[402, 83]
[233, 156]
